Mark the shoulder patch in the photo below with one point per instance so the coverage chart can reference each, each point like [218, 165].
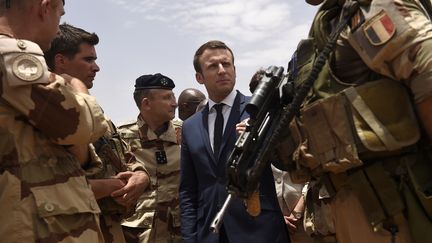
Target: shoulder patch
[379, 29]
[24, 62]
[27, 67]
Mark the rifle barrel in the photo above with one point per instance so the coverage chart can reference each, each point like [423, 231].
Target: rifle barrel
[217, 221]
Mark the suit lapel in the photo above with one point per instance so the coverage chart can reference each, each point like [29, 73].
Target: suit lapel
[205, 132]
[233, 119]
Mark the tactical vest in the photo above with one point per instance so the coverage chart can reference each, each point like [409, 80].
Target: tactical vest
[345, 126]
[342, 121]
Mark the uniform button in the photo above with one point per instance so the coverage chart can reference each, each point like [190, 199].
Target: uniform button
[49, 207]
[21, 44]
[278, 180]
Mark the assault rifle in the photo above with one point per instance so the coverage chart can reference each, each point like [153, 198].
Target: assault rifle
[271, 108]
[251, 151]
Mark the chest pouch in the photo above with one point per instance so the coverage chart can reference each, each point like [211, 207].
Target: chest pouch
[368, 121]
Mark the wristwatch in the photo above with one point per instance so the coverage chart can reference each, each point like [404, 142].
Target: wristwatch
[297, 215]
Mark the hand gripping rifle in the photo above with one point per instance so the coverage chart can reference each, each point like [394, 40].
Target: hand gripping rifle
[271, 109]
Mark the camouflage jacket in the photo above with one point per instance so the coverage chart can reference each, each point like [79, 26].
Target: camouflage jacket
[384, 39]
[44, 195]
[161, 158]
[380, 66]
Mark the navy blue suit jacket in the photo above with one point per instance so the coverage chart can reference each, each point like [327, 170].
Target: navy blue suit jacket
[203, 187]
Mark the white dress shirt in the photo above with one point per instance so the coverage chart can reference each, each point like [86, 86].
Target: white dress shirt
[226, 110]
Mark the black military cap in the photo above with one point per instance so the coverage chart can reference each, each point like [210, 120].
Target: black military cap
[154, 81]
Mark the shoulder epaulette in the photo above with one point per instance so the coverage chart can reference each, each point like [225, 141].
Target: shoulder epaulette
[10, 45]
[126, 124]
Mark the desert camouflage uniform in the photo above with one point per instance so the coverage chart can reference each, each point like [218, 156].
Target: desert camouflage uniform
[387, 40]
[44, 195]
[157, 212]
[109, 157]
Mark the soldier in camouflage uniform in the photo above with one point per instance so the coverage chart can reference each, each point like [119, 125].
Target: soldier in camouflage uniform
[357, 134]
[73, 52]
[45, 120]
[153, 141]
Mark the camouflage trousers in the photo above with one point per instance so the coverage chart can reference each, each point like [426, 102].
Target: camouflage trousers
[111, 229]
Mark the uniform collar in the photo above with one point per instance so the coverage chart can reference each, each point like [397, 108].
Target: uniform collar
[147, 134]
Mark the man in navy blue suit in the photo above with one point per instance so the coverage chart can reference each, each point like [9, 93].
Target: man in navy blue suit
[208, 138]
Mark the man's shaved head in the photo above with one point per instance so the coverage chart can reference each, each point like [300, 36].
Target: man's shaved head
[188, 101]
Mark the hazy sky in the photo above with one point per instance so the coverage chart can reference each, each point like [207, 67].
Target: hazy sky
[150, 36]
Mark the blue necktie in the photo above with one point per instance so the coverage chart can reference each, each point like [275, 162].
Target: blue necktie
[218, 129]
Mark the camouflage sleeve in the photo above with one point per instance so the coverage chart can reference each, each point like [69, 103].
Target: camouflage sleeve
[395, 40]
[133, 164]
[45, 99]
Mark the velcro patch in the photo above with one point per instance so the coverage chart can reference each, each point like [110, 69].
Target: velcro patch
[27, 67]
[379, 29]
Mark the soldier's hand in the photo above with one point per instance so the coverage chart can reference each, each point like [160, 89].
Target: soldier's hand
[241, 127]
[291, 223]
[136, 183]
[104, 187]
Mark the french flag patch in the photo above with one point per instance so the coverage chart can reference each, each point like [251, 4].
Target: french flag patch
[379, 29]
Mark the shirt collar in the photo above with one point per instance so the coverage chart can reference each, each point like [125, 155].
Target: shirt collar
[229, 100]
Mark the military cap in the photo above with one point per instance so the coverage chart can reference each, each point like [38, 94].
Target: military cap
[154, 81]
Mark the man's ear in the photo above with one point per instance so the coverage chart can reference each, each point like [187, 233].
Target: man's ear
[144, 104]
[59, 61]
[199, 77]
[44, 8]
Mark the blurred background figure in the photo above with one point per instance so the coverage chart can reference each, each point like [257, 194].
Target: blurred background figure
[188, 102]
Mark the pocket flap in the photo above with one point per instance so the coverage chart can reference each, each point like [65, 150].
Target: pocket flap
[71, 197]
[392, 109]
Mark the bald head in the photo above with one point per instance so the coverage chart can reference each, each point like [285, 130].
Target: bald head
[40, 24]
[314, 2]
[188, 101]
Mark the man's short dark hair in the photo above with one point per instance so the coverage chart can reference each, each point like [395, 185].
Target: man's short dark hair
[140, 94]
[256, 78]
[213, 44]
[67, 43]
